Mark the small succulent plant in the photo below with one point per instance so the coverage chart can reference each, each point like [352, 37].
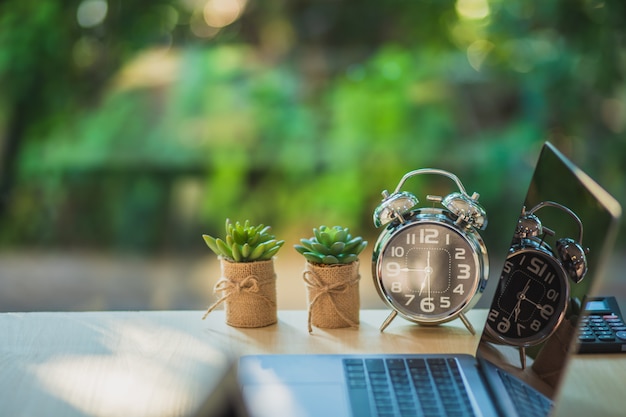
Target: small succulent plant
[331, 246]
[245, 243]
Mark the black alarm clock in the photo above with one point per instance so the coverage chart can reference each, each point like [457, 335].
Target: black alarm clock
[430, 264]
[533, 291]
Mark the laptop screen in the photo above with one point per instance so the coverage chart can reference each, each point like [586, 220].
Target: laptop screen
[563, 235]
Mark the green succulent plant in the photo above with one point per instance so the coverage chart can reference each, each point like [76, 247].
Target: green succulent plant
[245, 243]
[331, 246]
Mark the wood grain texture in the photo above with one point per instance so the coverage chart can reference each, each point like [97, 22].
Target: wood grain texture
[165, 363]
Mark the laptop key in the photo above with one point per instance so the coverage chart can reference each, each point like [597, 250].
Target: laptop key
[406, 387]
[528, 401]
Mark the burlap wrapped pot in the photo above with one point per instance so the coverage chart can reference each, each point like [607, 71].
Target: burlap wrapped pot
[332, 295]
[248, 291]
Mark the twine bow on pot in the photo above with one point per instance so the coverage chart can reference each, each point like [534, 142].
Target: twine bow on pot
[229, 288]
[339, 295]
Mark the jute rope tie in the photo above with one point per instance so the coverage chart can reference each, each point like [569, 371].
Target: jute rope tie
[312, 280]
[249, 285]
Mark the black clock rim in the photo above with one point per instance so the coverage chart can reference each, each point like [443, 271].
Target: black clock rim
[532, 341]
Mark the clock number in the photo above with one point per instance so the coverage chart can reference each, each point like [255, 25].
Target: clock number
[552, 294]
[425, 236]
[493, 315]
[549, 277]
[464, 271]
[547, 311]
[459, 289]
[397, 251]
[535, 325]
[444, 302]
[396, 286]
[410, 297]
[508, 267]
[459, 253]
[538, 267]
[504, 325]
[520, 327]
[393, 268]
[427, 305]
[429, 236]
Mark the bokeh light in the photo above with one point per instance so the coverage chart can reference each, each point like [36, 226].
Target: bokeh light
[221, 13]
[91, 13]
[472, 9]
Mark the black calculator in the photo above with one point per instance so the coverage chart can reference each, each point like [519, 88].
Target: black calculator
[602, 329]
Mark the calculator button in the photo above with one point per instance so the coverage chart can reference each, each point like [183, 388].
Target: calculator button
[618, 328]
[610, 316]
[606, 338]
[621, 335]
[588, 338]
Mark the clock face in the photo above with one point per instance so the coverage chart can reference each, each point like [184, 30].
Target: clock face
[428, 271]
[530, 300]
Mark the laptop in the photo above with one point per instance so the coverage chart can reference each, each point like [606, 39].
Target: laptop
[506, 376]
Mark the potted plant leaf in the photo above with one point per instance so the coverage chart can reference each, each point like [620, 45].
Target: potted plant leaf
[331, 277]
[248, 281]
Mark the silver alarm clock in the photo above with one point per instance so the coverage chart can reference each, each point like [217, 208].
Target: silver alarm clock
[430, 265]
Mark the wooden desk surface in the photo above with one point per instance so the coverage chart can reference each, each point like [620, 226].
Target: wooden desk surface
[156, 363]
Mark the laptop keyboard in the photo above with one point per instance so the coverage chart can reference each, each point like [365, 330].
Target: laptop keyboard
[530, 402]
[406, 387]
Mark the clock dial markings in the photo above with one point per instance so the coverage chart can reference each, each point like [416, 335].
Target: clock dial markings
[533, 288]
[438, 271]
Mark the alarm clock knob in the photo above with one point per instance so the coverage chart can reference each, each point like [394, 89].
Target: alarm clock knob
[467, 210]
[573, 258]
[393, 207]
[528, 226]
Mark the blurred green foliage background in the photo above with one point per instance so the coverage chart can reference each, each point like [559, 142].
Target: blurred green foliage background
[133, 125]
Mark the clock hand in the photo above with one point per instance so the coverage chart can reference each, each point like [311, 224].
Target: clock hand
[516, 309]
[428, 270]
[539, 306]
[426, 278]
[521, 296]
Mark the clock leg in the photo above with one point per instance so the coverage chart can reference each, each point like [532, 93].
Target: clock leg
[388, 320]
[467, 324]
[522, 356]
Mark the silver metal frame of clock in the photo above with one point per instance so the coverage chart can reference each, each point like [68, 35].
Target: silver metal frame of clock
[462, 216]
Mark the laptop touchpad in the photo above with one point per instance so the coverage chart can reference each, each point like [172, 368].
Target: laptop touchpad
[296, 400]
